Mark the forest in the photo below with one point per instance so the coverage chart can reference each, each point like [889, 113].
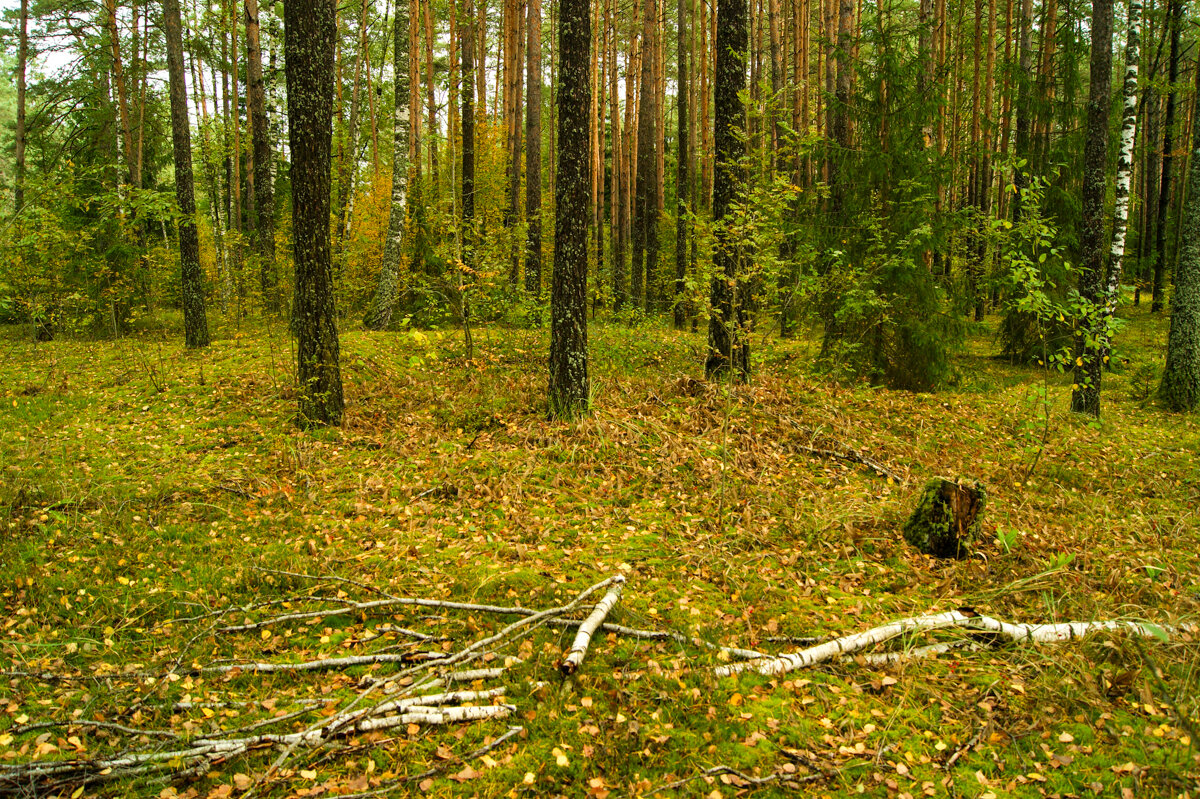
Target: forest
[590, 398]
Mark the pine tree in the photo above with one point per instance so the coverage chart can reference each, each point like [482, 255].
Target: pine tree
[309, 33]
[569, 387]
[727, 346]
[1180, 388]
[195, 321]
[1085, 398]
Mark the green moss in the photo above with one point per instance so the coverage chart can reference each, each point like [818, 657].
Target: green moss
[946, 520]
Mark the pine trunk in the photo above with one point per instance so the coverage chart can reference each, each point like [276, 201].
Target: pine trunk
[1175, 19]
[569, 388]
[264, 198]
[533, 153]
[19, 143]
[195, 322]
[728, 348]
[1085, 397]
[1181, 379]
[682, 180]
[309, 34]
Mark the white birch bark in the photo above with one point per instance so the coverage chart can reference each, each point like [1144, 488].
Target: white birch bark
[583, 637]
[1124, 162]
[1017, 633]
[389, 275]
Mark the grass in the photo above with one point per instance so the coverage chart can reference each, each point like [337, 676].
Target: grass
[142, 484]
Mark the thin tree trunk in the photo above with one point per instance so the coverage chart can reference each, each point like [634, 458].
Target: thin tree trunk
[1175, 17]
[569, 392]
[1024, 79]
[264, 201]
[195, 322]
[349, 151]
[619, 189]
[431, 105]
[122, 95]
[533, 153]
[682, 180]
[393, 246]
[19, 144]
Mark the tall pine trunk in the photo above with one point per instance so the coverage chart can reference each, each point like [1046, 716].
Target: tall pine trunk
[309, 33]
[727, 345]
[264, 198]
[682, 180]
[1085, 397]
[195, 322]
[19, 143]
[533, 153]
[569, 388]
[1175, 20]
[1180, 388]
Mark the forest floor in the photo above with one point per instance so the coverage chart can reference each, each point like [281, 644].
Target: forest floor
[144, 486]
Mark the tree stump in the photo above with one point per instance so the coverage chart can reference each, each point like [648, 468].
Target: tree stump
[947, 518]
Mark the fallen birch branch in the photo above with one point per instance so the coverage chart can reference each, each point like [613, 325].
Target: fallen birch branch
[587, 629]
[1016, 633]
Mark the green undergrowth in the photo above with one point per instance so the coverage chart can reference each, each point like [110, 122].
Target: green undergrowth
[143, 485]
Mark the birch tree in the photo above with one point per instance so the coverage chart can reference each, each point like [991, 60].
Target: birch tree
[387, 290]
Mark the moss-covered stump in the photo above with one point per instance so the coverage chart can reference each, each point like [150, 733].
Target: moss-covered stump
[947, 518]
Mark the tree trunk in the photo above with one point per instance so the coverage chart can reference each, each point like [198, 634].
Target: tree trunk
[195, 322]
[19, 144]
[1085, 397]
[135, 179]
[645, 227]
[569, 388]
[468, 136]
[309, 33]
[349, 151]
[727, 345]
[1175, 20]
[682, 180]
[1024, 78]
[393, 246]
[1180, 388]
[264, 197]
[533, 154]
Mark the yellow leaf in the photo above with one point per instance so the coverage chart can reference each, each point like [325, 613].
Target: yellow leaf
[78, 792]
[5, 739]
[308, 774]
[560, 757]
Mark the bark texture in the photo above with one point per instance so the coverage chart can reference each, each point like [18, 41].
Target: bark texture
[195, 321]
[726, 346]
[1085, 398]
[533, 154]
[309, 33]
[947, 518]
[569, 388]
[264, 195]
[1181, 379]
